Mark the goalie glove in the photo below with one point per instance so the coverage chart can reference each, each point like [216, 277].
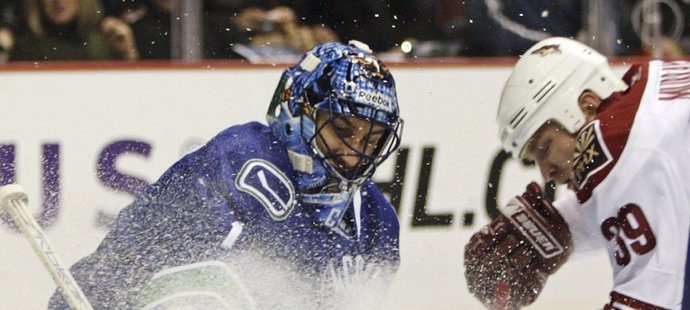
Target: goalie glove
[508, 260]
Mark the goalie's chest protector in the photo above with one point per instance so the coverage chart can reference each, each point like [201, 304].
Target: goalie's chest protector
[632, 173]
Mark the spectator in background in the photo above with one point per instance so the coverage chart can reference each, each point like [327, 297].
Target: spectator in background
[508, 28]
[240, 29]
[151, 23]
[72, 30]
[151, 27]
[277, 32]
[261, 29]
[8, 23]
[221, 33]
[274, 28]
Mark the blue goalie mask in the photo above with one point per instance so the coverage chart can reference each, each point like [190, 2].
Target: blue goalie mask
[339, 106]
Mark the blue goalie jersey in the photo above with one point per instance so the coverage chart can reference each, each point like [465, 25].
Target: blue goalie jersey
[235, 201]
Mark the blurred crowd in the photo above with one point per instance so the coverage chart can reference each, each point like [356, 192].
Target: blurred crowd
[36, 30]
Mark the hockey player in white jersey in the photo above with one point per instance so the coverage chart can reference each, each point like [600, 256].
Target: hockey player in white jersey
[623, 147]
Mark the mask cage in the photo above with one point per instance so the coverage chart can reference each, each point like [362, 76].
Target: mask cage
[366, 161]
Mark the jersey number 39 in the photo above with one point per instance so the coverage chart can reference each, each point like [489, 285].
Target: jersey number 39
[630, 224]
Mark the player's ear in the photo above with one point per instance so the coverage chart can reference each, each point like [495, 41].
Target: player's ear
[589, 103]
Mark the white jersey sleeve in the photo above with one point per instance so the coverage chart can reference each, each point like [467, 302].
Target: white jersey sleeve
[585, 234]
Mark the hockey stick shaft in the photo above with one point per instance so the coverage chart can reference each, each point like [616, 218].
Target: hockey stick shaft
[13, 200]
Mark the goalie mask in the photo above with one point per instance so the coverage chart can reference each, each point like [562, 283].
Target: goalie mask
[337, 113]
[338, 105]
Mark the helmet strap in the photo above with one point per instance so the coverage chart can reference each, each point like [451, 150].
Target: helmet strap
[301, 162]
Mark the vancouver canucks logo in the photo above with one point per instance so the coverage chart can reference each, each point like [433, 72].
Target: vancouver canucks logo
[591, 154]
[547, 50]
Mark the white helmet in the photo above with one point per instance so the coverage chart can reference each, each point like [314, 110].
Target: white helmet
[546, 84]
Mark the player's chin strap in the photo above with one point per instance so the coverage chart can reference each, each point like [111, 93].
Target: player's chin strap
[310, 173]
